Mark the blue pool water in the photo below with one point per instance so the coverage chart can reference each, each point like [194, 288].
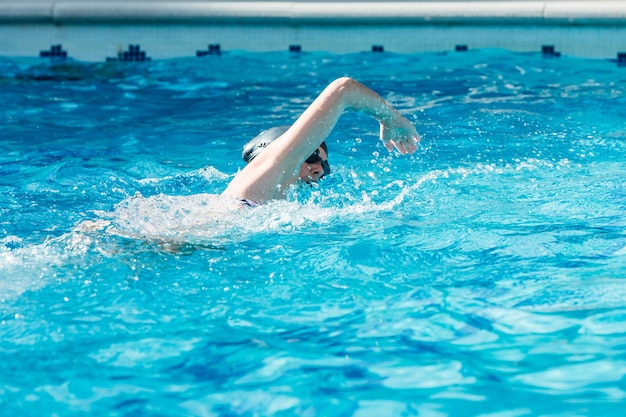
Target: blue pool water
[485, 275]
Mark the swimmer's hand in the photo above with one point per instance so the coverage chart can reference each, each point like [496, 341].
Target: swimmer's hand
[400, 134]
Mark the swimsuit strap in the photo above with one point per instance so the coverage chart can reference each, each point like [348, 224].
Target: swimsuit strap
[248, 203]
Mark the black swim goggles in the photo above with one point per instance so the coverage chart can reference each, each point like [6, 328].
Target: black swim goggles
[314, 158]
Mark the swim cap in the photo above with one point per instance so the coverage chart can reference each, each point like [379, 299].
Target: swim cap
[256, 145]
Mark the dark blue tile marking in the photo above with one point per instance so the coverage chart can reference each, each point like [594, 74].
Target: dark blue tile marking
[621, 59]
[548, 51]
[214, 49]
[378, 48]
[461, 48]
[295, 48]
[134, 54]
[56, 53]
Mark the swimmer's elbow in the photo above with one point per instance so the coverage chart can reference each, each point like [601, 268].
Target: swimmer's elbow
[343, 83]
[345, 80]
[342, 92]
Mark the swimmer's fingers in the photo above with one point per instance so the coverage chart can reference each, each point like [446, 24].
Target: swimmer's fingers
[400, 146]
[409, 145]
[401, 135]
[404, 146]
[392, 144]
[413, 142]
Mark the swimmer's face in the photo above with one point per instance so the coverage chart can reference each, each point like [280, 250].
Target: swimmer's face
[315, 167]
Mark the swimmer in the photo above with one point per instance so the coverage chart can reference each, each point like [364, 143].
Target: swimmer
[279, 157]
[276, 160]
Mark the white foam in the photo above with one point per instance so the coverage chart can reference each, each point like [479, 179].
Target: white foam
[26, 267]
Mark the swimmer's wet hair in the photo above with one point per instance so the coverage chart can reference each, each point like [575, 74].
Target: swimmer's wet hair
[260, 142]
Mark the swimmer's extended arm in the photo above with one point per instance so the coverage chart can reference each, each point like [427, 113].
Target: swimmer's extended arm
[395, 130]
[318, 120]
[269, 175]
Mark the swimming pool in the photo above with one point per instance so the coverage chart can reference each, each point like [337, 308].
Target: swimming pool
[482, 275]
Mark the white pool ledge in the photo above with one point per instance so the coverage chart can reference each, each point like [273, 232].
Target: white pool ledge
[95, 30]
[284, 12]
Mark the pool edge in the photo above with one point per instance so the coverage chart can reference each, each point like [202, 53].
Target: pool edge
[98, 30]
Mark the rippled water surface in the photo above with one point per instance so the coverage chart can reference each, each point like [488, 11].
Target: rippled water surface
[485, 275]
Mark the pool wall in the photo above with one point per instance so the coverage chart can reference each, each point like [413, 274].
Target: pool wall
[97, 30]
